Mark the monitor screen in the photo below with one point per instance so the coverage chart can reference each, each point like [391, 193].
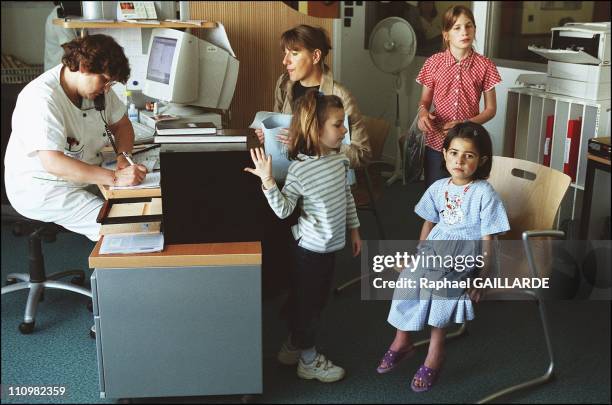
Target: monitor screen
[160, 59]
[184, 69]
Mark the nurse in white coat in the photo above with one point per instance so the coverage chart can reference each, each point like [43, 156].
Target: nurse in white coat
[53, 154]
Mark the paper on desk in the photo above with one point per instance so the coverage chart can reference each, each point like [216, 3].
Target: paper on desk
[132, 243]
[150, 164]
[151, 181]
[150, 161]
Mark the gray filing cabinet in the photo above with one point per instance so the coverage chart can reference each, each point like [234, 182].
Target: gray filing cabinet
[178, 330]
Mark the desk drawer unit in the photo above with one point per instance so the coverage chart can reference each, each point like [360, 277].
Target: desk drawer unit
[178, 331]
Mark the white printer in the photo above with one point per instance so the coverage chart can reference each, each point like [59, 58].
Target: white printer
[579, 60]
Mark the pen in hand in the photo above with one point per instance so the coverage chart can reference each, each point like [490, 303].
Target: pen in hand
[128, 158]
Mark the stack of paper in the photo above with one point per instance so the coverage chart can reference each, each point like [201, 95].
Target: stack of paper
[132, 243]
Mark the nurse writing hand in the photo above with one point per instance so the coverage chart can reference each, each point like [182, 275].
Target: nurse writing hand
[54, 151]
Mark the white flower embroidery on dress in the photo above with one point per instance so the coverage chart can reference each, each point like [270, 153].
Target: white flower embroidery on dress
[452, 213]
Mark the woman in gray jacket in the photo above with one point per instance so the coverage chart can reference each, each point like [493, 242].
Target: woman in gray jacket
[305, 50]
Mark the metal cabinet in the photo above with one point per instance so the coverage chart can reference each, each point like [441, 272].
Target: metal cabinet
[178, 331]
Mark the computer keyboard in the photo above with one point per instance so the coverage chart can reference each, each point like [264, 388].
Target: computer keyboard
[142, 133]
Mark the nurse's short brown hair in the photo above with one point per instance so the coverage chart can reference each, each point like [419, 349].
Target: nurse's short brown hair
[97, 54]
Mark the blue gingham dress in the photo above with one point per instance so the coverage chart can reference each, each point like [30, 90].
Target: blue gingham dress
[462, 219]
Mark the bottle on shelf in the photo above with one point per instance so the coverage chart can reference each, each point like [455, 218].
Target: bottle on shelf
[133, 113]
[137, 97]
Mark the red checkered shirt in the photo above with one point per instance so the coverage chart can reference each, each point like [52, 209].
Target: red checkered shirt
[457, 87]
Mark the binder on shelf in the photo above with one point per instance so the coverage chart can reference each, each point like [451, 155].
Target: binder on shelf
[550, 121]
[572, 146]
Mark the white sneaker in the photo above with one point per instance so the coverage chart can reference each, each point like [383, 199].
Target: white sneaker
[321, 369]
[288, 356]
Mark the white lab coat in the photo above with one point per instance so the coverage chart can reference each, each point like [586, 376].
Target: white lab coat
[46, 119]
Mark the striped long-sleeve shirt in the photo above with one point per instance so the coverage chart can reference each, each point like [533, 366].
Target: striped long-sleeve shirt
[327, 205]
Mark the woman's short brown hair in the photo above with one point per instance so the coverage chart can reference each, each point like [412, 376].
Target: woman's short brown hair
[450, 17]
[306, 37]
[97, 54]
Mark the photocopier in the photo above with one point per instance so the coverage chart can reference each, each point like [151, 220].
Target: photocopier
[578, 60]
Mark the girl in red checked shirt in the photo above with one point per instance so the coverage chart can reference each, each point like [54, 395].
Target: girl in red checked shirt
[454, 80]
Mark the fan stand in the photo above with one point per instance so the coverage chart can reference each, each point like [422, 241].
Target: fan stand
[397, 172]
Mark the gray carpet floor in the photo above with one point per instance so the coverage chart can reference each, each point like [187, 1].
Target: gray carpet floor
[504, 344]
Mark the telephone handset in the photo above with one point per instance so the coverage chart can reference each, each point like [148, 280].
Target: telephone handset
[99, 102]
[100, 105]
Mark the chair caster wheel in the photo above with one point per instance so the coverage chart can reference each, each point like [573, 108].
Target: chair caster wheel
[90, 306]
[78, 280]
[26, 327]
[11, 281]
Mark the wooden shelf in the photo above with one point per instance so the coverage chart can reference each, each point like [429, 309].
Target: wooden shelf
[121, 24]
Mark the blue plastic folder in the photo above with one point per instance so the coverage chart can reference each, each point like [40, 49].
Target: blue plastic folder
[271, 127]
[271, 124]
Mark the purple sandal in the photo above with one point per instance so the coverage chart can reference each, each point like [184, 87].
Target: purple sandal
[393, 358]
[427, 376]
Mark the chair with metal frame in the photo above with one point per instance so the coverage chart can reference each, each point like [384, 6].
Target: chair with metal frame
[370, 183]
[531, 194]
[36, 280]
[369, 187]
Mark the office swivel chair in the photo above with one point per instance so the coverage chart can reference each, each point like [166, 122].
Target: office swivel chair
[531, 194]
[36, 279]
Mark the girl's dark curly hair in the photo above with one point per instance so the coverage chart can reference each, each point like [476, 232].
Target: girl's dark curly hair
[97, 54]
[482, 141]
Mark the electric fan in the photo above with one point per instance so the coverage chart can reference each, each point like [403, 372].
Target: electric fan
[392, 48]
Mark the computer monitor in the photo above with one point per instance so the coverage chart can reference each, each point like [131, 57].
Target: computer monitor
[189, 72]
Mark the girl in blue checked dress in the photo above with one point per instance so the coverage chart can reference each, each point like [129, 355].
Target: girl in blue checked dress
[459, 212]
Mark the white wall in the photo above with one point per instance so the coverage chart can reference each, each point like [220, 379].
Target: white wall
[374, 90]
[28, 44]
[23, 29]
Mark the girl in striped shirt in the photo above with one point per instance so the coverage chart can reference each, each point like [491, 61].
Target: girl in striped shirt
[318, 179]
